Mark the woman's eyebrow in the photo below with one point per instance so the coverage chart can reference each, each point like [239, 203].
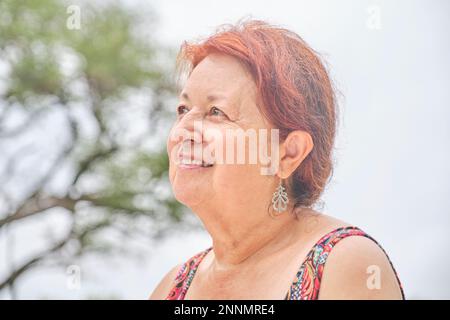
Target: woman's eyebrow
[209, 97]
[184, 96]
[214, 97]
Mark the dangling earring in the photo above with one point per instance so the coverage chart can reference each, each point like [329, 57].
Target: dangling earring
[280, 199]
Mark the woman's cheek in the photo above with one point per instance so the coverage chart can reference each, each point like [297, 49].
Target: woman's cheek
[170, 146]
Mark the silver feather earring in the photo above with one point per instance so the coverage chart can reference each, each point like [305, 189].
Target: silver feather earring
[280, 199]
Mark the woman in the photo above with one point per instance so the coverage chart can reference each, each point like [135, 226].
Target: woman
[267, 241]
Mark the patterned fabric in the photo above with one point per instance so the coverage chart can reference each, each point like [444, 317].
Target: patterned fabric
[306, 283]
[185, 275]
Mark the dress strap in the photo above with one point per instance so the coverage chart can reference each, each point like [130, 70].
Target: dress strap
[185, 275]
[306, 284]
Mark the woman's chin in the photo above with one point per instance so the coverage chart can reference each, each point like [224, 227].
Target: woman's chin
[188, 195]
[190, 187]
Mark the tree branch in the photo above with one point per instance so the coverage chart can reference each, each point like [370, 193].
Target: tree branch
[38, 205]
[31, 205]
[86, 164]
[9, 281]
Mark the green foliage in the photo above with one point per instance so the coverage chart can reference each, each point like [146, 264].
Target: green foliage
[113, 58]
[49, 66]
[106, 51]
[36, 74]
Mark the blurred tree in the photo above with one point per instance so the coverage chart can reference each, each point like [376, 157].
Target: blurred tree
[112, 180]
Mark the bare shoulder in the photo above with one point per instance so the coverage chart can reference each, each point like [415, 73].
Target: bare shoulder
[357, 268]
[162, 289]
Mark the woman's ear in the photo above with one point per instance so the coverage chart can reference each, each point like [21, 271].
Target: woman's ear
[295, 148]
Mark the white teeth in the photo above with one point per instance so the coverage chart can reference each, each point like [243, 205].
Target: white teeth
[189, 161]
[195, 162]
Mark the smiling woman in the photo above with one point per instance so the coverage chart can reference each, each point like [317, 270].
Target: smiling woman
[267, 241]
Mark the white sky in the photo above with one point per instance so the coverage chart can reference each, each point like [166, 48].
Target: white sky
[392, 177]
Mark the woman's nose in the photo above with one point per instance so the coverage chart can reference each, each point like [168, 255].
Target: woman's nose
[190, 127]
[191, 119]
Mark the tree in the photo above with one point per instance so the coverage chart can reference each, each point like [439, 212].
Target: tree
[89, 74]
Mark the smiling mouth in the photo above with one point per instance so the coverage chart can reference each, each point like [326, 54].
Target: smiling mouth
[194, 163]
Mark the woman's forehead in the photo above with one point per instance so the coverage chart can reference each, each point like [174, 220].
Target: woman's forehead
[219, 75]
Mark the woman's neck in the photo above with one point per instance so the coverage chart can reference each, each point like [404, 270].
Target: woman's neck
[239, 240]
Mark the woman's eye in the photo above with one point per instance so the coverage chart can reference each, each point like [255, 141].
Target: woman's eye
[182, 109]
[216, 112]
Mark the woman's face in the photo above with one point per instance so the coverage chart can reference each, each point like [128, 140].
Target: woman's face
[217, 102]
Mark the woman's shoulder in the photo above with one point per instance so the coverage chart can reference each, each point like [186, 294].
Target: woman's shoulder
[359, 268]
[163, 288]
[350, 263]
[171, 282]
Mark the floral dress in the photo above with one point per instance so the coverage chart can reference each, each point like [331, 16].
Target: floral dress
[306, 283]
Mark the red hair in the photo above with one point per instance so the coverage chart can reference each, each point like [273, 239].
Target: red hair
[294, 89]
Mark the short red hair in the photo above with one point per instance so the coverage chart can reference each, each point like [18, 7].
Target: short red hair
[294, 89]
